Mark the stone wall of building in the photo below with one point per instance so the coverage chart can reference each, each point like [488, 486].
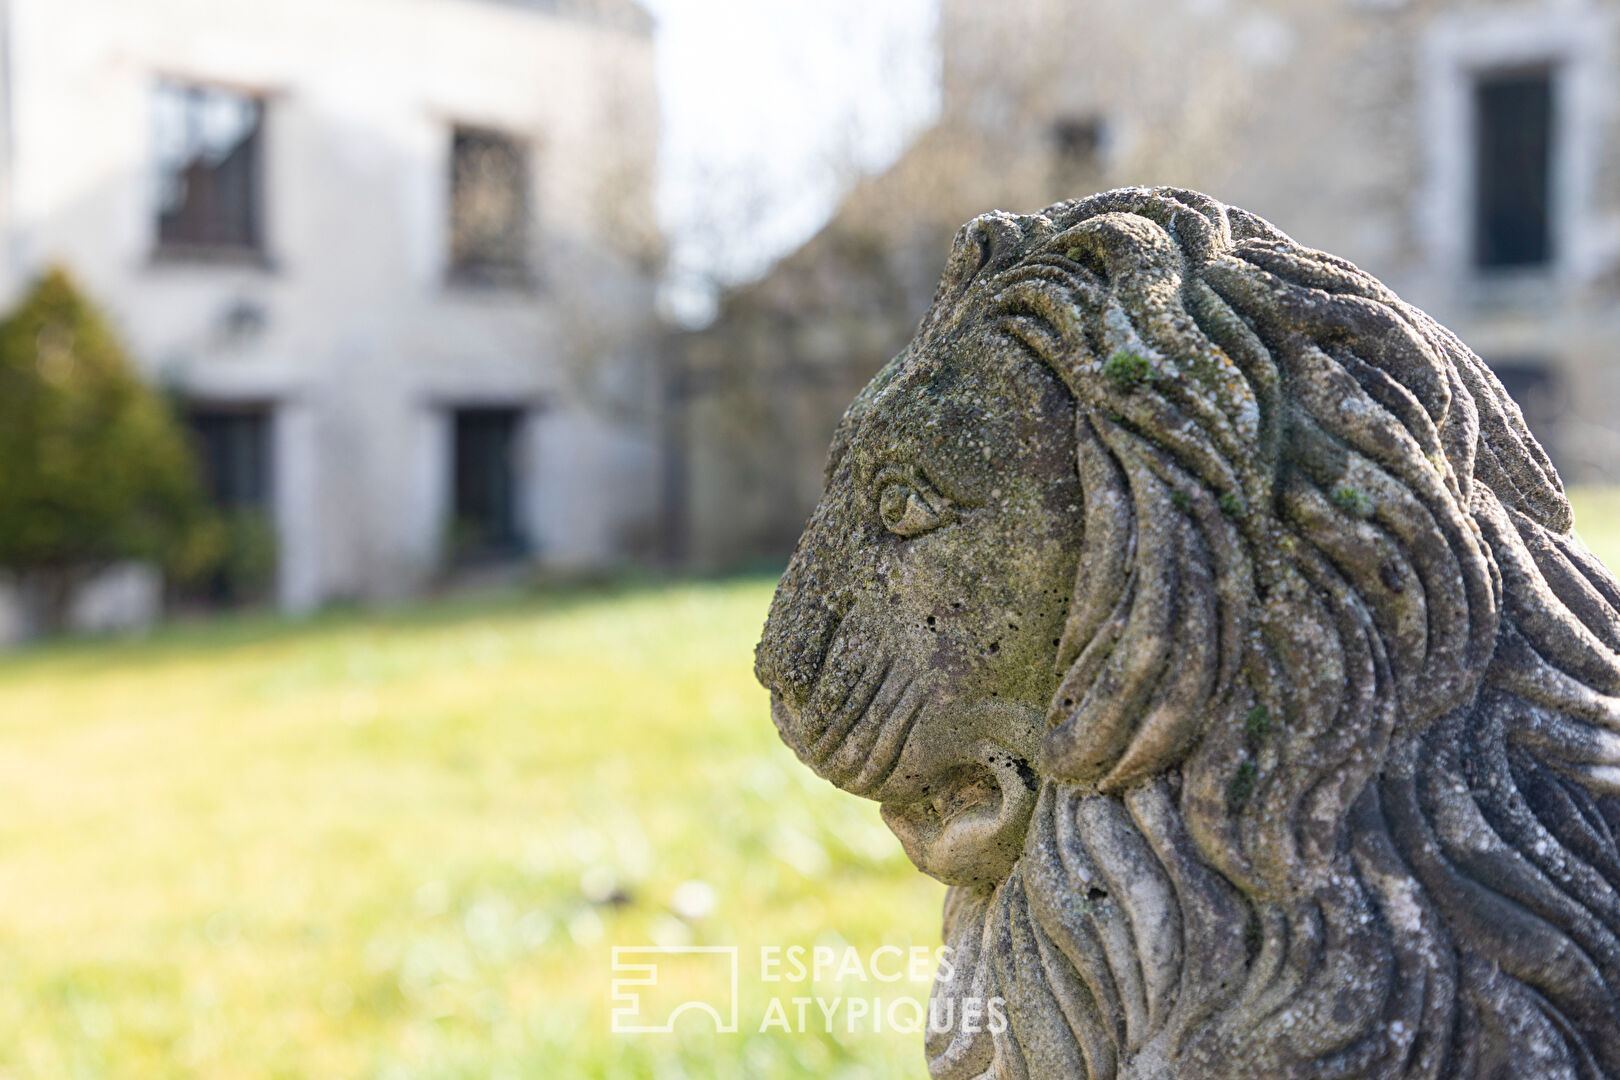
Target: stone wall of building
[1296, 109]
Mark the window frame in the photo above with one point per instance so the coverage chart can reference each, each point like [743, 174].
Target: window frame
[1455, 53]
[521, 275]
[255, 252]
[260, 413]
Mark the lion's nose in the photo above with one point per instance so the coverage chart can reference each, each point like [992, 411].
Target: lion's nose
[794, 642]
[777, 664]
[812, 602]
[766, 660]
[782, 717]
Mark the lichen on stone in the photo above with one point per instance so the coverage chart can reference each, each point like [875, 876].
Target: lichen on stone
[1352, 500]
[1127, 368]
[1257, 723]
[1241, 786]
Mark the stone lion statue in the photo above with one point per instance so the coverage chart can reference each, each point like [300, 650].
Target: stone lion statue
[1209, 620]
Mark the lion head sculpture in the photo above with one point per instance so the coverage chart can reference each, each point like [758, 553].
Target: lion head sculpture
[1209, 620]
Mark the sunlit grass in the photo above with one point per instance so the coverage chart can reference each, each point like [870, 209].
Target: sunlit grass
[403, 844]
[1597, 520]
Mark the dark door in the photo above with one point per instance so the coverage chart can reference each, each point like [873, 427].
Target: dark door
[233, 444]
[484, 522]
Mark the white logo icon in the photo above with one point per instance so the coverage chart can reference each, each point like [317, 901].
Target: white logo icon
[636, 970]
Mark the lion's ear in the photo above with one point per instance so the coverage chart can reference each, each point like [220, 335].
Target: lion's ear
[1154, 635]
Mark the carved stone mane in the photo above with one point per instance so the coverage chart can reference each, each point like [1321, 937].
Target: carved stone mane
[1208, 617]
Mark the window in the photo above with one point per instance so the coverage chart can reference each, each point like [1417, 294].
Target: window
[1513, 117]
[233, 448]
[208, 146]
[489, 208]
[1078, 142]
[484, 484]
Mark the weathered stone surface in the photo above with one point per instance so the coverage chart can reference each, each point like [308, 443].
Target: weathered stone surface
[1208, 619]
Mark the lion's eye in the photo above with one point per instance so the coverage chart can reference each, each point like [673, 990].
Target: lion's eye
[905, 511]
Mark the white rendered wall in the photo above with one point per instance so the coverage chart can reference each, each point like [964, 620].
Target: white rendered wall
[363, 344]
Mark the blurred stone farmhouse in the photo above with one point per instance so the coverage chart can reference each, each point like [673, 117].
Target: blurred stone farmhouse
[396, 259]
[1465, 151]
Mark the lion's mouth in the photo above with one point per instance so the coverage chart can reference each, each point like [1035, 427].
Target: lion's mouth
[859, 744]
[967, 828]
[962, 821]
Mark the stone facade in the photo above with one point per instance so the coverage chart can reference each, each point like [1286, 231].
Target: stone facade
[1352, 124]
[335, 320]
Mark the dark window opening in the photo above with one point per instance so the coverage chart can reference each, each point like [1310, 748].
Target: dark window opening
[1077, 145]
[484, 504]
[1513, 116]
[1078, 140]
[208, 148]
[233, 446]
[489, 208]
[233, 450]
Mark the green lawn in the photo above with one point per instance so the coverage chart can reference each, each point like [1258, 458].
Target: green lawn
[404, 844]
